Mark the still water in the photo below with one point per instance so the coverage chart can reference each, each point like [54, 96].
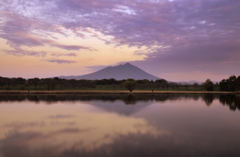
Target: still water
[119, 125]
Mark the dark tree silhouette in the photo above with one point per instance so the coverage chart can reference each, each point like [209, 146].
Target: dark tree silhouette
[231, 83]
[130, 85]
[238, 83]
[73, 82]
[2, 81]
[161, 81]
[34, 81]
[195, 85]
[130, 79]
[208, 85]
[48, 82]
[223, 85]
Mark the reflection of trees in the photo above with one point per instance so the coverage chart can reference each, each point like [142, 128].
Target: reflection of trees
[102, 97]
[208, 98]
[12, 98]
[129, 100]
[233, 101]
[195, 97]
[34, 98]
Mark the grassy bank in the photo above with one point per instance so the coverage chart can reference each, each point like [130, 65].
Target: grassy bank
[109, 92]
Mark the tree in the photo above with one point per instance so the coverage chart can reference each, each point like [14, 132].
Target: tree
[47, 81]
[161, 81]
[208, 85]
[223, 85]
[73, 82]
[51, 83]
[231, 82]
[130, 85]
[195, 85]
[1, 81]
[35, 81]
[112, 81]
[8, 81]
[130, 79]
[238, 83]
[20, 81]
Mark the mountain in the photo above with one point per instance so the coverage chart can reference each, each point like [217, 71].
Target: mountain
[119, 72]
[189, 82]
[192, 82]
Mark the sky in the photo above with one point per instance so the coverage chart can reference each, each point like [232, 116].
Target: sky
[178, 40]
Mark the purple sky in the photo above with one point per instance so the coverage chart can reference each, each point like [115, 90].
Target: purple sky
[176, 40]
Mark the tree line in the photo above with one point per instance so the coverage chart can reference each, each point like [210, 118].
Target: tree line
[60, 84]
[47, 83]
[231, 84]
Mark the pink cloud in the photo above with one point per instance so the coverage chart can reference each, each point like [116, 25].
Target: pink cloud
[61, 61]
[181, 35]
[67, 54]
[21, 53]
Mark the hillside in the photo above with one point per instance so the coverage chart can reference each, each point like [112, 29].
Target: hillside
[119, 72]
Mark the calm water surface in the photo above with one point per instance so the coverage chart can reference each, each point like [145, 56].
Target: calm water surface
[119, 125]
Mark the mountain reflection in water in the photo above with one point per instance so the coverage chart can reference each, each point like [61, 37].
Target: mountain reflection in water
[119, 125]
[231, 100]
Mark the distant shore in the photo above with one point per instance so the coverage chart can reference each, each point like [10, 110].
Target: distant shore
[111, 92]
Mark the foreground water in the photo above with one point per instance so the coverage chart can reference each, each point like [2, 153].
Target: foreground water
[119, 125]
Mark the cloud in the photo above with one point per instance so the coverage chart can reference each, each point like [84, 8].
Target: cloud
[67, 54]
[19, 40]
[123, 145]
[70, 47]
[21, 53]
[61, 61]
[185, 76]
[211, 58]
[60, 116]
[72, 130]
[19, 125]
[189, 35]
[20, 31]
[175, 23]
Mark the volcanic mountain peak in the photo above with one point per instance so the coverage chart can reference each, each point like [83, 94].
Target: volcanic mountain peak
[119, 72]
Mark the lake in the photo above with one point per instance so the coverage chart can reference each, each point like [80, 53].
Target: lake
[119, 125]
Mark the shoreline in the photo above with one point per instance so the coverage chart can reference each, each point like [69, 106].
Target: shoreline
[112, 92]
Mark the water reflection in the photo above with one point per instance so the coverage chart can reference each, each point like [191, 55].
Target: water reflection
[129, 100]
[231, 100]
[119, 125]
[208, 98]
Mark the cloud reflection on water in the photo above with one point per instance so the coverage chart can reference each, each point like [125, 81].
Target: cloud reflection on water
[30, 134]
[166, 126]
